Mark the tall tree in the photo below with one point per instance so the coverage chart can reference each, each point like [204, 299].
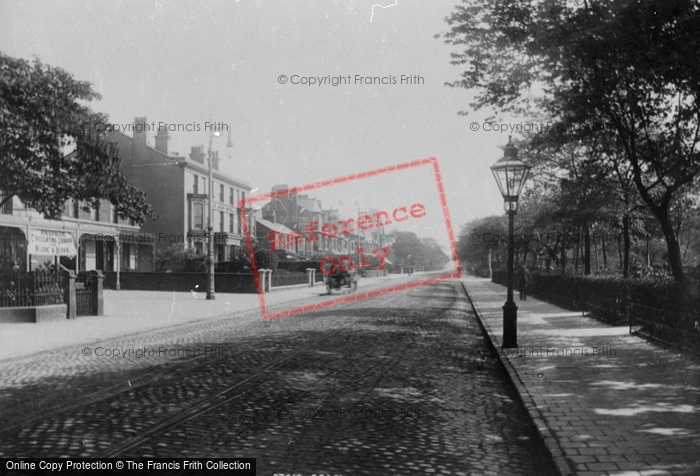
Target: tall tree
[627, 67]
[479, 237]
[406, 250]
[433, 257]
[42, 117]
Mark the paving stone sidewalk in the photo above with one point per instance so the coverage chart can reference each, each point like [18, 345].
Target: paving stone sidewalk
[133, 312]
[604, 401]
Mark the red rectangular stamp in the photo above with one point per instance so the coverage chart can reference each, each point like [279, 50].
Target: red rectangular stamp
[345, 244]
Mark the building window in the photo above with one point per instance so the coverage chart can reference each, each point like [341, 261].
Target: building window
[195, 188]
[197, 216]
[221, 222]
[198, 248]
[231, 221]
[115, 214]
[230, 197]
[6, 208]
[221, 192]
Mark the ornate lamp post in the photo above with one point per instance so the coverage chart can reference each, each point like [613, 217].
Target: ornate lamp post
[210, 225]
[215, 132]
[510, 174]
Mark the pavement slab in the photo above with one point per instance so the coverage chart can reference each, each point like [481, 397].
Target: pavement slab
[605, 402]
[133, 312]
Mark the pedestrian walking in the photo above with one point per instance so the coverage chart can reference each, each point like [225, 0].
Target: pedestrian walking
[524, 282]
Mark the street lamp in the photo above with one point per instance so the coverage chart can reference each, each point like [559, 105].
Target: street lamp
[215, 132]
[510, 174]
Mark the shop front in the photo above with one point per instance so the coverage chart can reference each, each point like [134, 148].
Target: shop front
[126, 251]
[13, 249]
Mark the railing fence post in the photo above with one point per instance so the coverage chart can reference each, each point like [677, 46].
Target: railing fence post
[96, 292]
[269, 280]
[69, 294]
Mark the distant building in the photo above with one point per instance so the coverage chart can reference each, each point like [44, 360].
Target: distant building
[294, 212]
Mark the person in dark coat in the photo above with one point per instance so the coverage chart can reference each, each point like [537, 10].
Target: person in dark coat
[524, 279]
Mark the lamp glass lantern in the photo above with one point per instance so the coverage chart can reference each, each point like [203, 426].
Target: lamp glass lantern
[510, 174]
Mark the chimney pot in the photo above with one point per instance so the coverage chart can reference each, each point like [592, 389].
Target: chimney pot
[140, 128]
[197, 155]
[162, 139]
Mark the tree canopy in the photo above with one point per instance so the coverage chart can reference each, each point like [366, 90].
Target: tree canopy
[43, 115]
[626, 71]
[407, 249]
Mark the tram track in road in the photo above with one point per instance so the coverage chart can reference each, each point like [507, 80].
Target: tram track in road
[37, 421]
[367, 383]
[203, 406]
[223, 398]
[57, 403]
[296, 338]
[158, 375]
[365, 380]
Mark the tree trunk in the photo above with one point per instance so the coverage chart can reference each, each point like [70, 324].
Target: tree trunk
[490, 269]
[619, 251]
[675, 261]
[578, 245]
[563, 260]
[586, 249]
[647, 253]
[595, 254]
[605, 255]
[628, 244]
[660, 210]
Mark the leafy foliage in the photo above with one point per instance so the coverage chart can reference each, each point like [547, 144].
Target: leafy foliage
[176, 258]
[624, 73]
[479, 236]
[239, 262]
[266, 259]
[42, 116]
[407, 249]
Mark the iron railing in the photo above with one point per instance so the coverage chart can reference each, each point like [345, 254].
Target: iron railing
[680, 330]
[289, 279]
[31, 289]
[84, 295]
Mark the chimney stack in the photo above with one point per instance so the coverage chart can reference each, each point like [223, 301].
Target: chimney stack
[215, 159]
[140, 128]
[162, 139]
[197, 155]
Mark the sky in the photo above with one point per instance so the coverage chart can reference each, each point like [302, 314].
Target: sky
[186, 63]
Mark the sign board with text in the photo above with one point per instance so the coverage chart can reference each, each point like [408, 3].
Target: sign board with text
[50, 242]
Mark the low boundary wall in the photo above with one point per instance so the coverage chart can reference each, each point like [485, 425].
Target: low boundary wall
[180, 282]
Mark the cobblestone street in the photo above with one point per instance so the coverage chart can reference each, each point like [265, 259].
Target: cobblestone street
[400, 384]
